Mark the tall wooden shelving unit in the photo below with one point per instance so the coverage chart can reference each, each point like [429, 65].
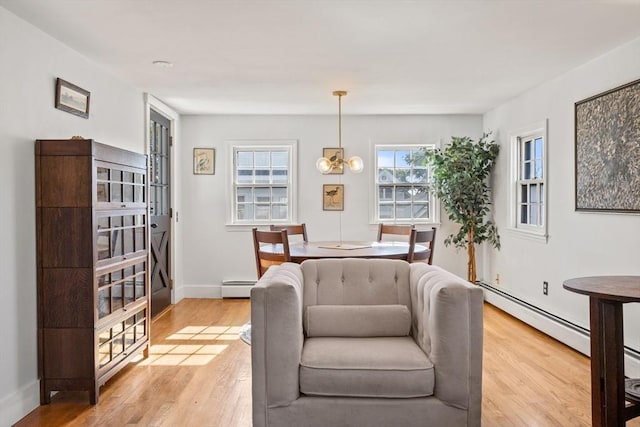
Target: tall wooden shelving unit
[92, 263]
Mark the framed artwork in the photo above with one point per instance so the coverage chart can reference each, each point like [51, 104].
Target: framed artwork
[72, 99]
[607, 151]
[204, 161]
[333, 197]
[334, 154]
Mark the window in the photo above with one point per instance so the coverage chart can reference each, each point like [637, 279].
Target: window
[529, 174]
[402, 190]
[263, 183]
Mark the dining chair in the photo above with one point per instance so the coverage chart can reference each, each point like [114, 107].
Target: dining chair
[292, 230]
[264, 260]
[398, 230]
[422, 237]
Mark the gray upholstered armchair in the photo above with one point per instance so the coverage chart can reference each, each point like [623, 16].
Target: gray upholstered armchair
[357, 342]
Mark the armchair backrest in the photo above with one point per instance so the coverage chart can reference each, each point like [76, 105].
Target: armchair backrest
[350, 281]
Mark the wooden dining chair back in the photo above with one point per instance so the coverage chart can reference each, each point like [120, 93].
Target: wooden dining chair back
[264, 260]
[426, 238]
[292, 230]
[397, 230]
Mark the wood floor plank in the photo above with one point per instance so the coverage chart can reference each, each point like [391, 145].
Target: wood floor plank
[199, 374]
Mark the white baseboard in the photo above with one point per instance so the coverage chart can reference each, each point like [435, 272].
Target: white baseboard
[178, 294]
[571, 337]
[202, 291]
[18, 404]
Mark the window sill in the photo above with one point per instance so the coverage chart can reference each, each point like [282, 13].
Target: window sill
[246, 227]
[528, 235]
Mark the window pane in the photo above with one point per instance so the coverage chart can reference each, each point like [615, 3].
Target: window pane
[279, 212]
[533, 192]
[245, 176]
[244, 212]
[420, 193]
[385, 194]
[538, 170]
[262, 175]
[386, 211]
[542, 193]
[279, 159]
[523, 193]
[385, 159]
[533, 214]
[261, 211]
[244, 195]
[419, 176]
[538, 148]
[279, 195]
[403, 211]
[280, 175]
[385, 175]
[403, 194]
[262, 159]
[527, 150]
[262, 194]
[523, 214]
[527, 171]
[245, 159]
[402, 175]
[402, 157]
[421, 210]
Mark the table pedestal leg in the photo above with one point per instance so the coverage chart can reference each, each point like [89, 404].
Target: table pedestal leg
[607, 363]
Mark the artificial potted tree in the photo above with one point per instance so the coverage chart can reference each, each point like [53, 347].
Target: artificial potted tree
[461, 182]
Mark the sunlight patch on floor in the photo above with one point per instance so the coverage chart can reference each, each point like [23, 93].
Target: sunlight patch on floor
[197, 354]
[206, 333]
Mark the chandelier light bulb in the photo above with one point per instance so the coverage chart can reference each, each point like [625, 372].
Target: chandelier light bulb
[355, 164]
[324, 165]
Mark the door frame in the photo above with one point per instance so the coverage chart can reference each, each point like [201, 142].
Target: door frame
[175, 272]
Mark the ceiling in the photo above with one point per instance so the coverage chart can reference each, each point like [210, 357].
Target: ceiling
[287, 56]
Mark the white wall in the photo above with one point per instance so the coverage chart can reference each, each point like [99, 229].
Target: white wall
[31, 61]
[579, 244]
[215, 253]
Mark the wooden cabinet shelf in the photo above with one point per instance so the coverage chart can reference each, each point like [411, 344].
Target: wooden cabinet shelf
[93, 263]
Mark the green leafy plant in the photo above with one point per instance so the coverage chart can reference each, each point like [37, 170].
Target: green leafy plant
[461, 182]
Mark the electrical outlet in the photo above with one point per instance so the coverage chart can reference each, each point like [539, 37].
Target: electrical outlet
[545, 288]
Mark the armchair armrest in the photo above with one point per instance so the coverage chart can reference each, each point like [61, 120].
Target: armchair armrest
[447, 324]
[276, 337]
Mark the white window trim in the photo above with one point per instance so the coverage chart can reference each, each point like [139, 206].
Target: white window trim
[537, 233]
[292, 146]
[373, 188]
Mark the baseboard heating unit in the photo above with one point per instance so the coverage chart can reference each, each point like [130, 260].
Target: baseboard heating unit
[237, 288]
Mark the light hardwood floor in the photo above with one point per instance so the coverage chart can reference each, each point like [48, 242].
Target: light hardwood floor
[199, 374]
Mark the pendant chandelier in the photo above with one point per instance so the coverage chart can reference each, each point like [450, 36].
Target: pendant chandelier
[328, 165]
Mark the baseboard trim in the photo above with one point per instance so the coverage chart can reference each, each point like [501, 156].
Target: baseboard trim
[561, 329]
[202, 291]
[18, 404]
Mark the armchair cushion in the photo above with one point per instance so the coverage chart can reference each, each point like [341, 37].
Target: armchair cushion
[358, 321]
[393, 367]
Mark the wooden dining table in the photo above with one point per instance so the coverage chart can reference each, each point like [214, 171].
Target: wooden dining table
[347, 249]
[606, 296]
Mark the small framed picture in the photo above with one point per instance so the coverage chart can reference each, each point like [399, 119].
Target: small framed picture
[334, 154]
[333, 197]
[72, 99]
[204, 161]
